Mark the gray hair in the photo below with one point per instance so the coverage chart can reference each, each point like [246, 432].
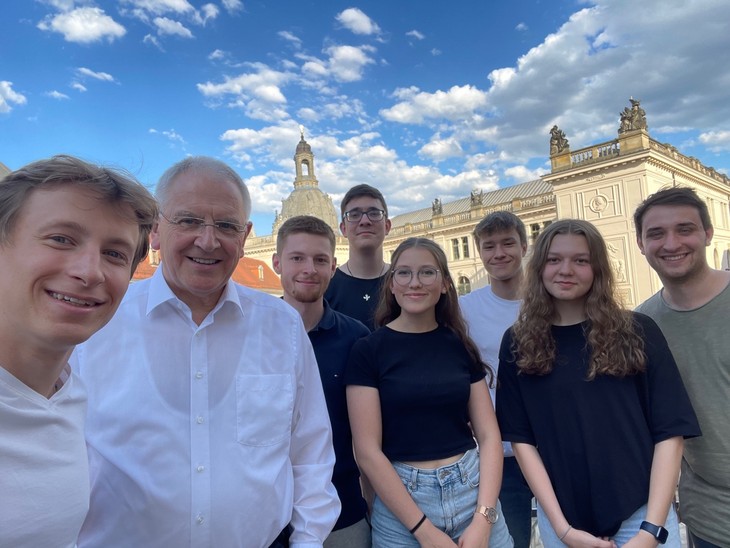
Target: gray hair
[203, 164]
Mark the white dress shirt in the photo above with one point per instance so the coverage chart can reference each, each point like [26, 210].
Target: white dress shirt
[212, 435]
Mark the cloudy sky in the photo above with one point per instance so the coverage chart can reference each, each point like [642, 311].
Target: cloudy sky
[421, 100]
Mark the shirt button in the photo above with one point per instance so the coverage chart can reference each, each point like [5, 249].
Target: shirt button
[199, 419]
[200, 468]
[200, 519]
[199, 375]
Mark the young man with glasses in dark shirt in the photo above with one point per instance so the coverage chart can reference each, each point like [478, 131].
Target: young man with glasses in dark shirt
[356, 284]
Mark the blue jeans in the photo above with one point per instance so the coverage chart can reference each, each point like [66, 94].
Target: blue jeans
[448, 497]
[516, 499]
[629, 528]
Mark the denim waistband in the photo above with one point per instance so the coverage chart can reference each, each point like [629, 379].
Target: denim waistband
[456, 472]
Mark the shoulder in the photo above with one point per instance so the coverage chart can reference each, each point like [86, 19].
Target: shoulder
[651, 304]
[254, 301]
[476, 297]
[348, 325]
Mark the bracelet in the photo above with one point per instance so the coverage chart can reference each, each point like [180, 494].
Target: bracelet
[566, 533]
[418, 524]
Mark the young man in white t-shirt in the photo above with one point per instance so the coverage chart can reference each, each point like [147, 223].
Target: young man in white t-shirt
[71, 235]
[489, 312]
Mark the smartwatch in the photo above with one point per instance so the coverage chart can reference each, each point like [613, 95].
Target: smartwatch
[489, 513]
[656, 531]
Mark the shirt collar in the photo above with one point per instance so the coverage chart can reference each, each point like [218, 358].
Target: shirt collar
[327, 321]
[161, 293]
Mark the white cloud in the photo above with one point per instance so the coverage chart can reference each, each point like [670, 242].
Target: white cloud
[103, 76]
[167, 26]
[357, 22]
[56, 95]
[439, 149]
[171, 135]
[207, 13]
[457, 103]
[415, 34]
[435, 52]
[314, 68]
[217, 55]
[8, 95]
[347, 63]
[151, 39]
[521, 173]
[716, 141]
[290, 37]
[78, 86]
[521, 27]
[83, 25]
[232, 5]
[160, 7]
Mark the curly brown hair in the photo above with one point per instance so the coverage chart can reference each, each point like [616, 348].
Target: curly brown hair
[616, 346]
[448, 313]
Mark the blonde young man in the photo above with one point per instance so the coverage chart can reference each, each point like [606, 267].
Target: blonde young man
[356, 284]
[305, 260]
[207, 422]
[71, 235]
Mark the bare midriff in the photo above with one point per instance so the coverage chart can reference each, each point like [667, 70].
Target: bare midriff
[433, 464]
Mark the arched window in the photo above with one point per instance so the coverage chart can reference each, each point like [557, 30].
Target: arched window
[463, 286]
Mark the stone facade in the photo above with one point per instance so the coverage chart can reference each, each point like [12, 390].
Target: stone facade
[602, 184]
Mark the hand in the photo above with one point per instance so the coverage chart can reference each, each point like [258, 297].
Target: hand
[642, 540]
[476, 535]
[582, 539]
[429, 536]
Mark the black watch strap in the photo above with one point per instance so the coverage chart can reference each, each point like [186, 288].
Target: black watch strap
[656, 531]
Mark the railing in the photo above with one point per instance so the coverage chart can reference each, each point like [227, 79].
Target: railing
[595, 153]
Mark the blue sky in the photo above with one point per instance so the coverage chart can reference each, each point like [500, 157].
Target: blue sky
[417, 98]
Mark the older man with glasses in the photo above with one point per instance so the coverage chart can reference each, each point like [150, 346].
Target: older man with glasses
[355, 287]
[207, 421]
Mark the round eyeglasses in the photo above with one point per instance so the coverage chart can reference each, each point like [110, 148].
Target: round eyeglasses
[425, 276]
[375, 215]
[196, 224]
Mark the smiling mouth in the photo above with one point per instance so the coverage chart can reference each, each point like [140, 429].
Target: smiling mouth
[204, 261]
[671, 258]
[71, 300]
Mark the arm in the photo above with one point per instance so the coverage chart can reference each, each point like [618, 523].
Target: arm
[491, 459]
[664, 475]
[363, 404]
[539, 481]
[316, 506]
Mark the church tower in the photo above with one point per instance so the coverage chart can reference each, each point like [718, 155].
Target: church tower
[306, 198]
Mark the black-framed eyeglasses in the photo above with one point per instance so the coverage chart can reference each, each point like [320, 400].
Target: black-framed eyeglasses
[426, 275]
[196, 224]
[374, 214]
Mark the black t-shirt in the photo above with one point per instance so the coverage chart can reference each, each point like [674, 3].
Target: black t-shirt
[355, 297]
[596, 438]
[424, 382]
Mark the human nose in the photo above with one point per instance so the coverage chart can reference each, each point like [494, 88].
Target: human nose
[415, 280]
[207, 238]
[565, 267]
[86, 266]
[499, 252]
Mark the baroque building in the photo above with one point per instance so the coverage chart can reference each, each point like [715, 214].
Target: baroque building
[601, 183]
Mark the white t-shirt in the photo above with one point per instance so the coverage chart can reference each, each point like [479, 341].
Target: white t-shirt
[44, 471]
[488, 317]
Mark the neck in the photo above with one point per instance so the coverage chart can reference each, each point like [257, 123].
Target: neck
[365, 265]
[509, 290]
[695, 292]
[311, 313]
[36, 368]
[569, 312]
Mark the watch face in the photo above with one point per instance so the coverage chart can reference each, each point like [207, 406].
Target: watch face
[492, 515]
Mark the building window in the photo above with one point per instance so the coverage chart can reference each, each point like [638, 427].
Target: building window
[534, 231]
[455, 249]
[464, 285]
[465, 246]
[261, 273]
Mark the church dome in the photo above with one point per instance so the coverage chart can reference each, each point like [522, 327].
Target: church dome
[303, 146]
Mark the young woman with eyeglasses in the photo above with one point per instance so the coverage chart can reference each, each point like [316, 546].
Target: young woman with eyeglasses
[417, 400]
[592, 401]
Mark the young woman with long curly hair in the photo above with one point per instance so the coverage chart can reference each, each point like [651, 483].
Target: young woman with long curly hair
[592, 401]
[417, 399]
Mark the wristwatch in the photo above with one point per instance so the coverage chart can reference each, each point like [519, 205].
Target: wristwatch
[489, 513]
[656, 531]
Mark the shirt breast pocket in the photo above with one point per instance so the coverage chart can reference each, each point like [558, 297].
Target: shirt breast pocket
[265, 405]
